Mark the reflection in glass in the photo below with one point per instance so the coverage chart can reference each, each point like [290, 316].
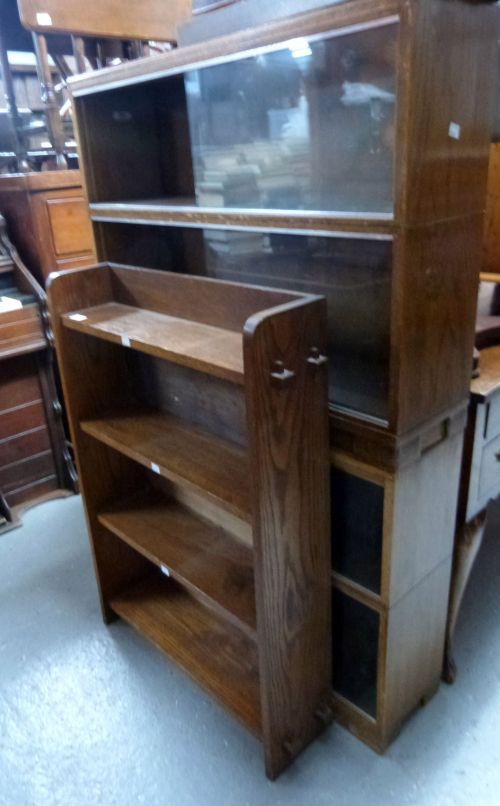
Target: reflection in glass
[307, 127]
[354, 275]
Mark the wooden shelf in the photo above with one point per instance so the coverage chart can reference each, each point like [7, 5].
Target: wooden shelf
[177, 211]
[208, 561]
[202, 347]
[218, 657]
[212, 467]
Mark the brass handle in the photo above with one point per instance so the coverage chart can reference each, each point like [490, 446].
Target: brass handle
[281, 373]
[316, 358]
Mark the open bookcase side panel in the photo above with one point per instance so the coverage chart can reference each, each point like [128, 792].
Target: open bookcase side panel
[288, 431]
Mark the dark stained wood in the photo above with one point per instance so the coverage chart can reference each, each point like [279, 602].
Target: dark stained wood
[157, 20]
[208, 561]
[184, 212]
[203, 347]
[441, 60]
[220, 658]
[207, 465]
[288, 424]
[218, 513]
[48, 220]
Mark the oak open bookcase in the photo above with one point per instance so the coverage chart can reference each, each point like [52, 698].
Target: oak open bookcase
[199, 414]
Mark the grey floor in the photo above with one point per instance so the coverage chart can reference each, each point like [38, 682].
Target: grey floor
[93, 715]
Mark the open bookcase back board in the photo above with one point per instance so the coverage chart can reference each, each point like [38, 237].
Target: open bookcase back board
[145, 473]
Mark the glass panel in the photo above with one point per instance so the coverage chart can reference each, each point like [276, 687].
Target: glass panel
[355, 651]
[357, 530]
[306, 127]
[355, 276]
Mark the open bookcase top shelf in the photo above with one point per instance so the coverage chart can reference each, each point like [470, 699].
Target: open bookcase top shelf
[219, 658]
[202, 347]
[206, 464]
[203, 557]
[184, 212]
[218, 552]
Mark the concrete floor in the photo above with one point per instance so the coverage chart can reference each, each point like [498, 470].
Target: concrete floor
[94, 715]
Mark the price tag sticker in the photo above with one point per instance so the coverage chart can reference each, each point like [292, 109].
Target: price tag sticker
[126, 341]
[455, 131]
[164, 570]
[155, 468]
[43, 19]
[77, 317]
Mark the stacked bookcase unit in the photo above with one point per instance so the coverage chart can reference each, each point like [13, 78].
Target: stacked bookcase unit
[341, 152]
[198, 412]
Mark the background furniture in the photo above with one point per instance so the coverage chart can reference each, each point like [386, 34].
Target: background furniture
[156, 19]
[34, 463]
[347, 158]
[198, 412]
[47, 215]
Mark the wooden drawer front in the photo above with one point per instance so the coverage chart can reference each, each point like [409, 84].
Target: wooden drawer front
[19, 383]
[27, 326]
[27, 471]
[20, 419]
[30, 492]
[70, 226]
[493, 418]
[489, 476]
[21, 447]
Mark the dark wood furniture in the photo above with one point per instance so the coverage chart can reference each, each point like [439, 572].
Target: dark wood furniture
[48, 219]
[342, 152]
[34, 463]
[155, 19]
[198, 412]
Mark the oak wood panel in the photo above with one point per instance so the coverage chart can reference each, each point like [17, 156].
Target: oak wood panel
[446, 170]
[487, 381]
[26, 471]
[217, 656]
[24, 445]
[203, 557]
[196, 298]
[21, 418]
[206, 464]
[31, 493]
[199, 346]
[20, 384]
[112, 18]
[434, 326]
[184, 213]
[289, 450]
[491, 246]
[25, 201]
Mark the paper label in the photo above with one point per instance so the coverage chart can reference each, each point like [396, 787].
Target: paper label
[164, 570]
[155, 468]
[455, 131]
[77, 317]
[125, 341]
[42, 18]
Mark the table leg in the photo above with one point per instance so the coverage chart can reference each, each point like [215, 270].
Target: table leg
[467, 543]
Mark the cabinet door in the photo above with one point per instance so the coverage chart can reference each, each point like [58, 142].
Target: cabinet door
[64, 230]
[307, 125]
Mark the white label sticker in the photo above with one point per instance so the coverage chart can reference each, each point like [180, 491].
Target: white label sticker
[77, 317]
[42, 18]
[125, 341]
[164, 570]
[155, 468]
[455, 131]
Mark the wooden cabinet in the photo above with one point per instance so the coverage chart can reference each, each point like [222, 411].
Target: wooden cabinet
[341, 152]
[34, 462]
[48, 219]
[199, 414]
